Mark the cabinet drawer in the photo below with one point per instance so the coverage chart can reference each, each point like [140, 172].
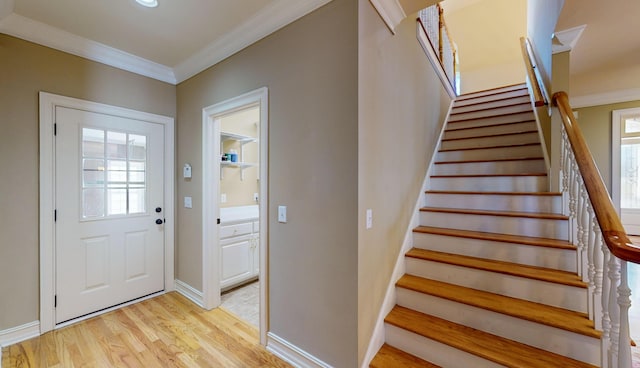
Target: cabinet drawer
[235, 230]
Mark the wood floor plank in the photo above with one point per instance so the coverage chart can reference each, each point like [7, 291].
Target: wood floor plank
[166, 331]
[497, 349]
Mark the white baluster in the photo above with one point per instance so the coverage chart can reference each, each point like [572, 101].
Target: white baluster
[581, 214]
[614, 309]
[602, 287]
[589, 265]
[624, 301]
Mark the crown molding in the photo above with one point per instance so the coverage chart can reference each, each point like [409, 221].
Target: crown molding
[566, 40]
[43, 34]
[606, 98]
[273, 17]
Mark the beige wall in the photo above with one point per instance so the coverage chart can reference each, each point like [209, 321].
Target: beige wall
[310, 69]
[542, 16]
[26, 69]
[595, 123]
[488, 35]
[239, 186]
[401, 107]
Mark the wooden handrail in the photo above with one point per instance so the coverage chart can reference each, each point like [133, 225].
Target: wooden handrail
[612, 230]
[530, 65]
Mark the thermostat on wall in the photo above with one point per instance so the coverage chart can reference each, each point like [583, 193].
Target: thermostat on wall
[186, 171]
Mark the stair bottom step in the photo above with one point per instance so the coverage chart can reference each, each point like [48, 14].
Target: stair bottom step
[391, 357]
[480, 344]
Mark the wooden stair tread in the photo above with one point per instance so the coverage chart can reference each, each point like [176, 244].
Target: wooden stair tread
[505, 238]
[489, 116]
[535, 312]
[487, 175]
[390, 357]
[490, 147]
[489, 160]
[489, 108]
[491, 92]
[494, 348]
[490, 135]
[455, 106]
[506, 268]
[455, 129]
[537, 215]
[549, 194]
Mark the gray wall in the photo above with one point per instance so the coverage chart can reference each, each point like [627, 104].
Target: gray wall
[310, 68]
[595, 123]
[402, 106]
[26, 69]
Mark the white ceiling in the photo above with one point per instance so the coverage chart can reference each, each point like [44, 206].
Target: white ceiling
[171, 42]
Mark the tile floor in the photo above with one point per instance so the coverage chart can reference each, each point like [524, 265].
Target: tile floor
[244, 302]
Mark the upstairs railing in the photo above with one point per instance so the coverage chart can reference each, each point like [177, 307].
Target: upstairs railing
[603, 246]
[434, 25]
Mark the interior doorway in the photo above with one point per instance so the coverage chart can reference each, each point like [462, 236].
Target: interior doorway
[235, 206]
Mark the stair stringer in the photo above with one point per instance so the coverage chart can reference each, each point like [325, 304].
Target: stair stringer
[378, 336]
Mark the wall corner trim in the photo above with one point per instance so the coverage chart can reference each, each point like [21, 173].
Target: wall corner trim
[189, 292]
[19, 333]
[390, 11]
[292, 354]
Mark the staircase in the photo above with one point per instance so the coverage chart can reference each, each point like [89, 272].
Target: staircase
[491, 280]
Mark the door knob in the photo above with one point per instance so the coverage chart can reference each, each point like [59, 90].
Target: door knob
[158, 209]
[159, 221]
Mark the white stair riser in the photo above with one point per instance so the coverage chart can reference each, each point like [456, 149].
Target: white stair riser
[496, 202]
[433, 351]
[493, 120]
[490, 184]
[491, 168]
[492, 104]
[557, 295]
[490, 153]
[554, 258]
[490, 130]
[492, 141]
[544, 228]
[494, 94]
[541, 336]
[491, 112]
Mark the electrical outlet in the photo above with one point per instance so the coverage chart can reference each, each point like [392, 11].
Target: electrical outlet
[223, 198]
[369, 218]
[188, 203]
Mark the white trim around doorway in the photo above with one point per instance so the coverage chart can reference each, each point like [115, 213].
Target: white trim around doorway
[48, 104]
[210, 208]
[616, 139]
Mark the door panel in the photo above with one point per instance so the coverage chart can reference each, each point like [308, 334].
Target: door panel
[109, 180]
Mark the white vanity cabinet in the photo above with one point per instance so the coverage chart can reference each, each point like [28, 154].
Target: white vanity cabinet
[239, 243]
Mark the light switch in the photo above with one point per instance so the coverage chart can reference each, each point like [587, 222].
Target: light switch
[187, 202]
[223, 198]
[186, 171]
[369, 218]
[282, 214]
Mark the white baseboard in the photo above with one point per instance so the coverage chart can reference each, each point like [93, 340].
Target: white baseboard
[189, 292]
[20, 333]
[378, 335]
[292, 354]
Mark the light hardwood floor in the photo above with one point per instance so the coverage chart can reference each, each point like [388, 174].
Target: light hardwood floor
[166, 331]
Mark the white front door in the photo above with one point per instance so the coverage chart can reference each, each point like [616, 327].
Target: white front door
[109, 231]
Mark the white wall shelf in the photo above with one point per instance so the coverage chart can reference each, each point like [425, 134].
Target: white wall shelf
[242, 139]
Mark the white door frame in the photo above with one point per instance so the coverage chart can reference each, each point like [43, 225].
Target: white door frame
[210, 211]
[48, 104]
[616, 139]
